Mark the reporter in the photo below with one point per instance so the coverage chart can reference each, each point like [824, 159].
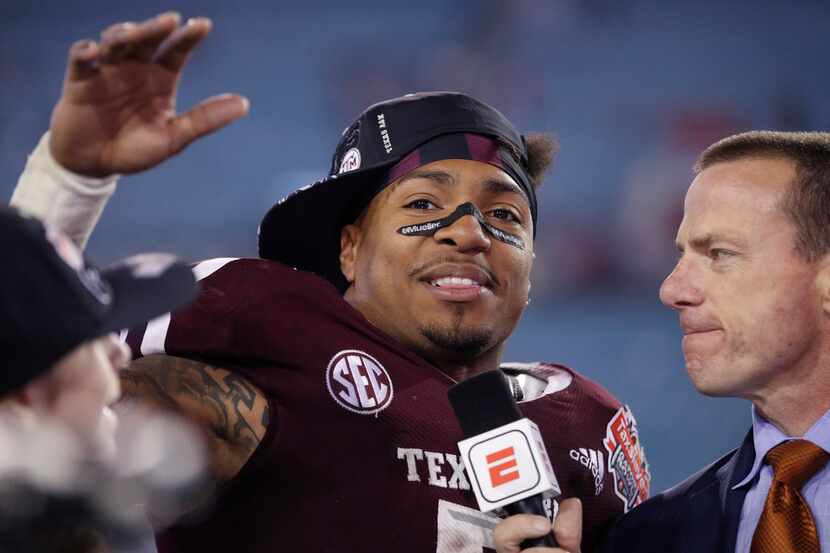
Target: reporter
[751, 288]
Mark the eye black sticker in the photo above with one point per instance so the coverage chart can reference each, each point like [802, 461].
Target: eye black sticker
[468, 208]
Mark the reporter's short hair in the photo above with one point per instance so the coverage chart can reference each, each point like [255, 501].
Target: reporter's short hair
[807, 203]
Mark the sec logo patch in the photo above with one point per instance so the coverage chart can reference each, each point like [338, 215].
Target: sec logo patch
[358, 382]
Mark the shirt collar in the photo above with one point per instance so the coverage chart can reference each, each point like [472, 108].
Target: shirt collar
[766, 436]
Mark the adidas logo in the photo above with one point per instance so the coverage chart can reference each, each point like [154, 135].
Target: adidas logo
[594, 461]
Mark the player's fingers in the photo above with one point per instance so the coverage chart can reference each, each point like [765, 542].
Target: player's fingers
[567, 528]
[137, 41]
[116, 42]
[116, 29]
[83, 60]
[148, 35]
[512, 531]
[210, 115]
[176, 48]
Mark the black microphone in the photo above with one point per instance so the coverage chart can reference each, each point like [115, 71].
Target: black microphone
[503, 452]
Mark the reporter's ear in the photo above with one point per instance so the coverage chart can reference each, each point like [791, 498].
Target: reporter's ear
[823, 283]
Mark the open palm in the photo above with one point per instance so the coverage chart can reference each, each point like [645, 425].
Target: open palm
[117, 113]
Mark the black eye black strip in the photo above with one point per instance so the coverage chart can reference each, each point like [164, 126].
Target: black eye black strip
[468, 208]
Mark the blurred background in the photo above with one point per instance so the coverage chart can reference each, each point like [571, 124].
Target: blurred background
[634, 91]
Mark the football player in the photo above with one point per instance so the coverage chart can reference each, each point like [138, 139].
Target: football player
[320, 371]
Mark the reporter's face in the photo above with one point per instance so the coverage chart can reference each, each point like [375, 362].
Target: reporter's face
[81, 387]
[750, 305]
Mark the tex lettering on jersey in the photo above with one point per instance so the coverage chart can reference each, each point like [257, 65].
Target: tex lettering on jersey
[444, 470]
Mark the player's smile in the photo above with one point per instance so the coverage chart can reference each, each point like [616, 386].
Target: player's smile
[458, 282]
[459, 290]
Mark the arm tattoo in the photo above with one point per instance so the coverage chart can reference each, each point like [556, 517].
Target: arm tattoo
[232, 409]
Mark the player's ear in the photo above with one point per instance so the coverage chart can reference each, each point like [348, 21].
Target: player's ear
[349, 244]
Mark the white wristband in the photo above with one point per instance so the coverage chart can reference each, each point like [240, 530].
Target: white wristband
[70, 202]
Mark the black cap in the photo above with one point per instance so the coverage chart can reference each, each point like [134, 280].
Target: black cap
[52, 300]
[303, 229]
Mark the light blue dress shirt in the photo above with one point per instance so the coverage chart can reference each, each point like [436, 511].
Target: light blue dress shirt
[816, 491]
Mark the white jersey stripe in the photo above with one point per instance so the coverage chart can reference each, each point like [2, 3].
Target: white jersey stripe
[155, 334]
[210, 266]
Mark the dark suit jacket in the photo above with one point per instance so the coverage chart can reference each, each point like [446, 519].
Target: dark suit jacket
[699, 515]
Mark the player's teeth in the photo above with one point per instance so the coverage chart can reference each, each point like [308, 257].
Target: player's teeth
[453, 281]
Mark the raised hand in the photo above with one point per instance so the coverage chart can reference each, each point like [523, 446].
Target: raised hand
[117, 113]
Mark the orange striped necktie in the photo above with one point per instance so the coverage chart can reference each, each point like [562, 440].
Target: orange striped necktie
[786, 524]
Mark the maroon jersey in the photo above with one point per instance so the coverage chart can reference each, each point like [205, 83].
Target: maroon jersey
[360, 454]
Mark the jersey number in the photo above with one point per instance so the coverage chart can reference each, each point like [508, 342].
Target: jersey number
[463, 530]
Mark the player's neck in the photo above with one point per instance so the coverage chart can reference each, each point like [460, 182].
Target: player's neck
[460, 370]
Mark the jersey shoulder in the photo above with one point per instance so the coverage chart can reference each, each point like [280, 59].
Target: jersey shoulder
[240, 299]
[578, 410]
[232, 281]
[565, 384]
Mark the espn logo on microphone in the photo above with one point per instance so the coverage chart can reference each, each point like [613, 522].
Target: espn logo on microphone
[507, 464]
